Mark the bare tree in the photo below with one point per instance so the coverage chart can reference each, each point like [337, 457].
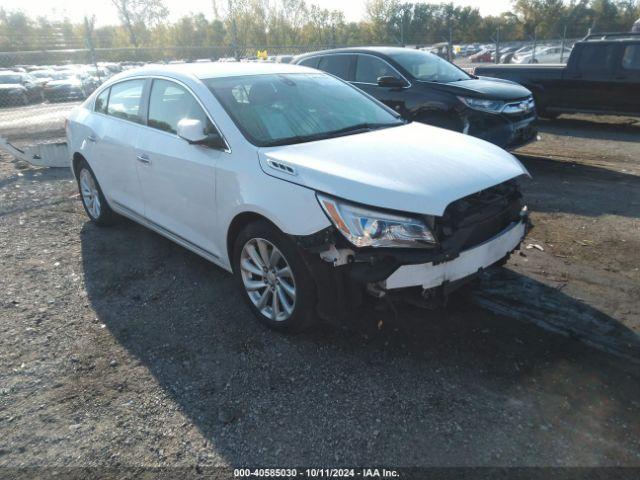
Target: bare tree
[137, 15]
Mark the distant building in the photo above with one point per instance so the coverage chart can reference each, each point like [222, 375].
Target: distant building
[636, 26]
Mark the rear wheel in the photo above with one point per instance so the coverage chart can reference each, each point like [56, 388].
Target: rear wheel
[277, 284]
[92, 197]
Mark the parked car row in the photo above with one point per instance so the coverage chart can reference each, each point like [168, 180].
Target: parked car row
[27, 84]
[540, 53]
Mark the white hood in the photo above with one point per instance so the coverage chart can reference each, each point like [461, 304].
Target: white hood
[412, 168]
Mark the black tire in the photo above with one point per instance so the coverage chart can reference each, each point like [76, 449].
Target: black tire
[106, 216]
[303, 313]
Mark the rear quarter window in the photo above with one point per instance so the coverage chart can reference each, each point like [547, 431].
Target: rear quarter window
[310, 62]
[102, 100]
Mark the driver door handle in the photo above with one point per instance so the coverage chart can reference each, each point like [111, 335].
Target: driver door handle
[142, 158]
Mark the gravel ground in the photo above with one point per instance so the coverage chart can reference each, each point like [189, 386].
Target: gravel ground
[120, 348]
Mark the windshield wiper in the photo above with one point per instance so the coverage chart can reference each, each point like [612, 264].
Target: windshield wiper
[359, 127]
[350, 130]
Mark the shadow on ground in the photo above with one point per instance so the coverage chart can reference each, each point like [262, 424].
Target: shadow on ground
[579, 189]
[619, 129]
[458, 386]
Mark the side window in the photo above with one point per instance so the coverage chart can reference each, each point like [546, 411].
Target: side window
[310, 62]
[124, 101]
[169, 103]
[369, 69]
[338, 65]
[101, 101]
[596, 58]
[631, 57]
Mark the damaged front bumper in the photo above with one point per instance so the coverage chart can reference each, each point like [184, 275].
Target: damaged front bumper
[431, 275]
[506, 131]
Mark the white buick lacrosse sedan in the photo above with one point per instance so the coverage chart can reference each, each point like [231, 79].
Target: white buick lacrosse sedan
[315, 195]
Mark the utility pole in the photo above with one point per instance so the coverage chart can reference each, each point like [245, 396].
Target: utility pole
[234, 28]
[535, 41]
[450, 46]
[88, 31]
[497, 59]
[564, 37]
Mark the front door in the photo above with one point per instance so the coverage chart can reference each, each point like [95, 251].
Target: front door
[368, 69]
[178, 179]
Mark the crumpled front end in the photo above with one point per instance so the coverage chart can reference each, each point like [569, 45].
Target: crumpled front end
[475, 233]
[512, 128]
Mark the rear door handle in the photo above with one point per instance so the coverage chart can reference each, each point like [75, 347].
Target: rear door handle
[142, 158]
[92, 138]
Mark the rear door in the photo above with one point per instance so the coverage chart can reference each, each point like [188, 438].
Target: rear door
[116, 126]
[339, 64]
[626, 81]
[178, 179]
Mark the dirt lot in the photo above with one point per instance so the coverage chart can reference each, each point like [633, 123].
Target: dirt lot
[120, 348]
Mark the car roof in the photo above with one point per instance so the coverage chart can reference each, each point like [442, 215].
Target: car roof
[374, 50]
[216, 69]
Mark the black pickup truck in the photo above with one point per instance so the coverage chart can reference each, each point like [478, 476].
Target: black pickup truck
[602, 76]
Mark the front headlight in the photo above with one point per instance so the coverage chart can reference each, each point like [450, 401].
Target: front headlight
[491, 106]
[364, 227]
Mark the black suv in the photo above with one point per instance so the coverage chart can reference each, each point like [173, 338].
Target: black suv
[426, 88]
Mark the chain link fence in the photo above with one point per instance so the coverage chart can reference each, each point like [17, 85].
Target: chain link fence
[38, 88]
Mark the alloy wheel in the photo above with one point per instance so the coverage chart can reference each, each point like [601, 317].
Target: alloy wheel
[89, 192]
[268, 279]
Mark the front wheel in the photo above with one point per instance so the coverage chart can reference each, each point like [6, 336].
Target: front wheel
[277, 284]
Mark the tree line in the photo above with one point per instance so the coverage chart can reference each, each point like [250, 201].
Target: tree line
[277, 23]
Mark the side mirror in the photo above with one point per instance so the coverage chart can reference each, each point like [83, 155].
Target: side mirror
[192, 130]
[391, 82]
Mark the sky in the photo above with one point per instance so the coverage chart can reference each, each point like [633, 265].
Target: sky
[106, 15]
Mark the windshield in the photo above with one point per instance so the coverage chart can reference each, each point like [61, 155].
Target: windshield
[293, 108]
[10, 79]
[428, 67]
